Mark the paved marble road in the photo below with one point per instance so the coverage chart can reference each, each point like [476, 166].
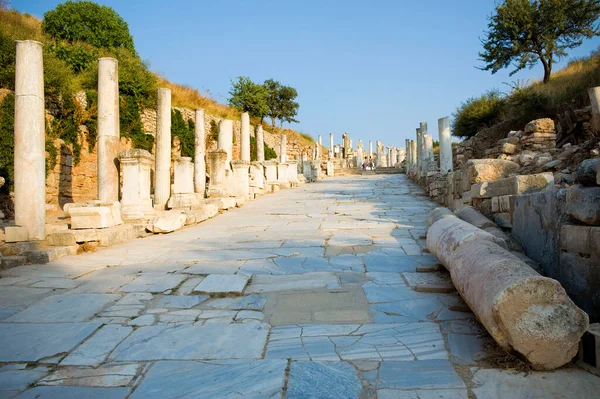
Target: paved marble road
[316, 292]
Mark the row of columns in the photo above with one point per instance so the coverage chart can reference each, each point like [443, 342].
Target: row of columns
[419, 152]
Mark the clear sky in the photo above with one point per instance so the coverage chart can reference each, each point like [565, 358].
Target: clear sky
[372, 68]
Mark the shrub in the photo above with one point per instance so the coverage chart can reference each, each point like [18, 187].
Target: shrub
[477, 113]
[185, 131]
[268, 151]
[7, 140]
[88, 22]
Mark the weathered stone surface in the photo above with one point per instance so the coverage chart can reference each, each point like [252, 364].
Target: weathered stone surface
[167, 223]
[503, 219]
[437, 214]
[587, 171]
[95, 217]
[514, 185]
[105, 376]
[222, 283]
[544, 125]
[153, 282]
[254, 379]
[183, 342]
[486, 170]
[521, 310]
[17, 377]
[318, 379]
[583, 204]
[33, 342]
[474, 217]
[75, 393]
[424, 374]
[64, 308]
[95, 350]
[15, 234]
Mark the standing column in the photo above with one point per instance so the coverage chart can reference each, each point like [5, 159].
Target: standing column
[108, 129]
[283, 149]
[319, 145]
[445, 145]
[245, 139]
[419, 153]
[162, 174]
[331, 151]
[225, 141]
[199, 153]
[413, 153]
[408, 154]
[370, 149]
[30, 152]
[379, 154]
[260, 144]
[390, 161]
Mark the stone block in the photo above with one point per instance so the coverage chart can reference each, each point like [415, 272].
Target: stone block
[544, 125]
[13, 261]
[583, 204]
[42, 256]
[509, 148]
[589, 349]
[15, 234]
[91, 216]
[472, 216]
[486, 170]
[580, 239]
[514, 185]
[587, 171]
[65, 238]
[167, 223]
[205, 211]
[503, 219]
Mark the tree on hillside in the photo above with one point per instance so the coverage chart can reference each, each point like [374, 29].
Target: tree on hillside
[523, 32]
[88, 22]
[281, 102]
[247, 96]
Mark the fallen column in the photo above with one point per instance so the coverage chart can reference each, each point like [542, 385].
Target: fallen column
[29, 130]
[523, 311]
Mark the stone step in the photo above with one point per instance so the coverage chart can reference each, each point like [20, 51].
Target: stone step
[104, 237]
[42, 256]
[7, 262]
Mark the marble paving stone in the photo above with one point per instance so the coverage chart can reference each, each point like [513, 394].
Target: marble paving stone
[145, 320]
[50, 392]
[217, 283]
[430, 282]
[424, 374]
[163, 342]
[249, 314]
[153, 282]
[323, 380]
[13, 297]
[95, 350]
[252, 379]
[423, 394]
[16, 377]
[229, 267]
[5, 313]
[266, 283]
[188, 286]
[181, 302]
[467, 348]
[249, 302]
[56, 283]
[390, 264]
[106, 376]
[34, 342]
[64, 308]
[573, 383]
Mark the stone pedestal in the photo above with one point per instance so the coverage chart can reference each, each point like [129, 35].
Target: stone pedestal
[257, 179]
[199, 153]
[292, 173]
[162, 173]
[245, 137]
[271, 176]
[240, 181]
[445, 145]
[135, 196]
[219, 174]
[108, 129]
[307, 170]
[183, 187]
[282, 175]
[225, 141]
[315, 170]
[95, 215]
[330, 169]
[260, 144]
[29, 130]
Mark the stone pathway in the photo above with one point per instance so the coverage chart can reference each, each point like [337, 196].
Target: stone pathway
[312, 293]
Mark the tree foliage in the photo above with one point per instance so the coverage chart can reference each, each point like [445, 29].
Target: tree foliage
[247, 96]
[281, 102]
[185, 131]
[478, 113]
[88, 22]
[268, 151]
[523, 32]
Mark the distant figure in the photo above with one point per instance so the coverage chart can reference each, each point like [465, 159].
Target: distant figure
[364, 164]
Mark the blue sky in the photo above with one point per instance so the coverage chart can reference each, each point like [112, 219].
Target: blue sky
[374, 69]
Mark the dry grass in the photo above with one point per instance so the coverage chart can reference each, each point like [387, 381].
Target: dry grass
[25, 26]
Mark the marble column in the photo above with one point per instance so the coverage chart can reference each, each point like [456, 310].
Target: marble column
[218, 176]
[30, 144]
[408, 154]
[245, 137]
[370, 149]
[108, 129]
[260, 144]
[225, 141]
[445, 145]
[419, 154]
[241, 180]
[413, 153]
[183, 170]
[379, 149]
[390, 161]
[162, 174]
[331, 151]
[428, 149]
[283, 149]
[594, 95]
[136, 165]
[359, 154]
[319, 145]
[199, 153]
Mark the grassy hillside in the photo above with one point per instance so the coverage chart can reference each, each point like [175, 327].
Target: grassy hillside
[526, 101]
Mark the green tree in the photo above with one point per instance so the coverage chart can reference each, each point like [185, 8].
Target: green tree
[523, 32]
[247, 96]
[88, 22]
[281, 102]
